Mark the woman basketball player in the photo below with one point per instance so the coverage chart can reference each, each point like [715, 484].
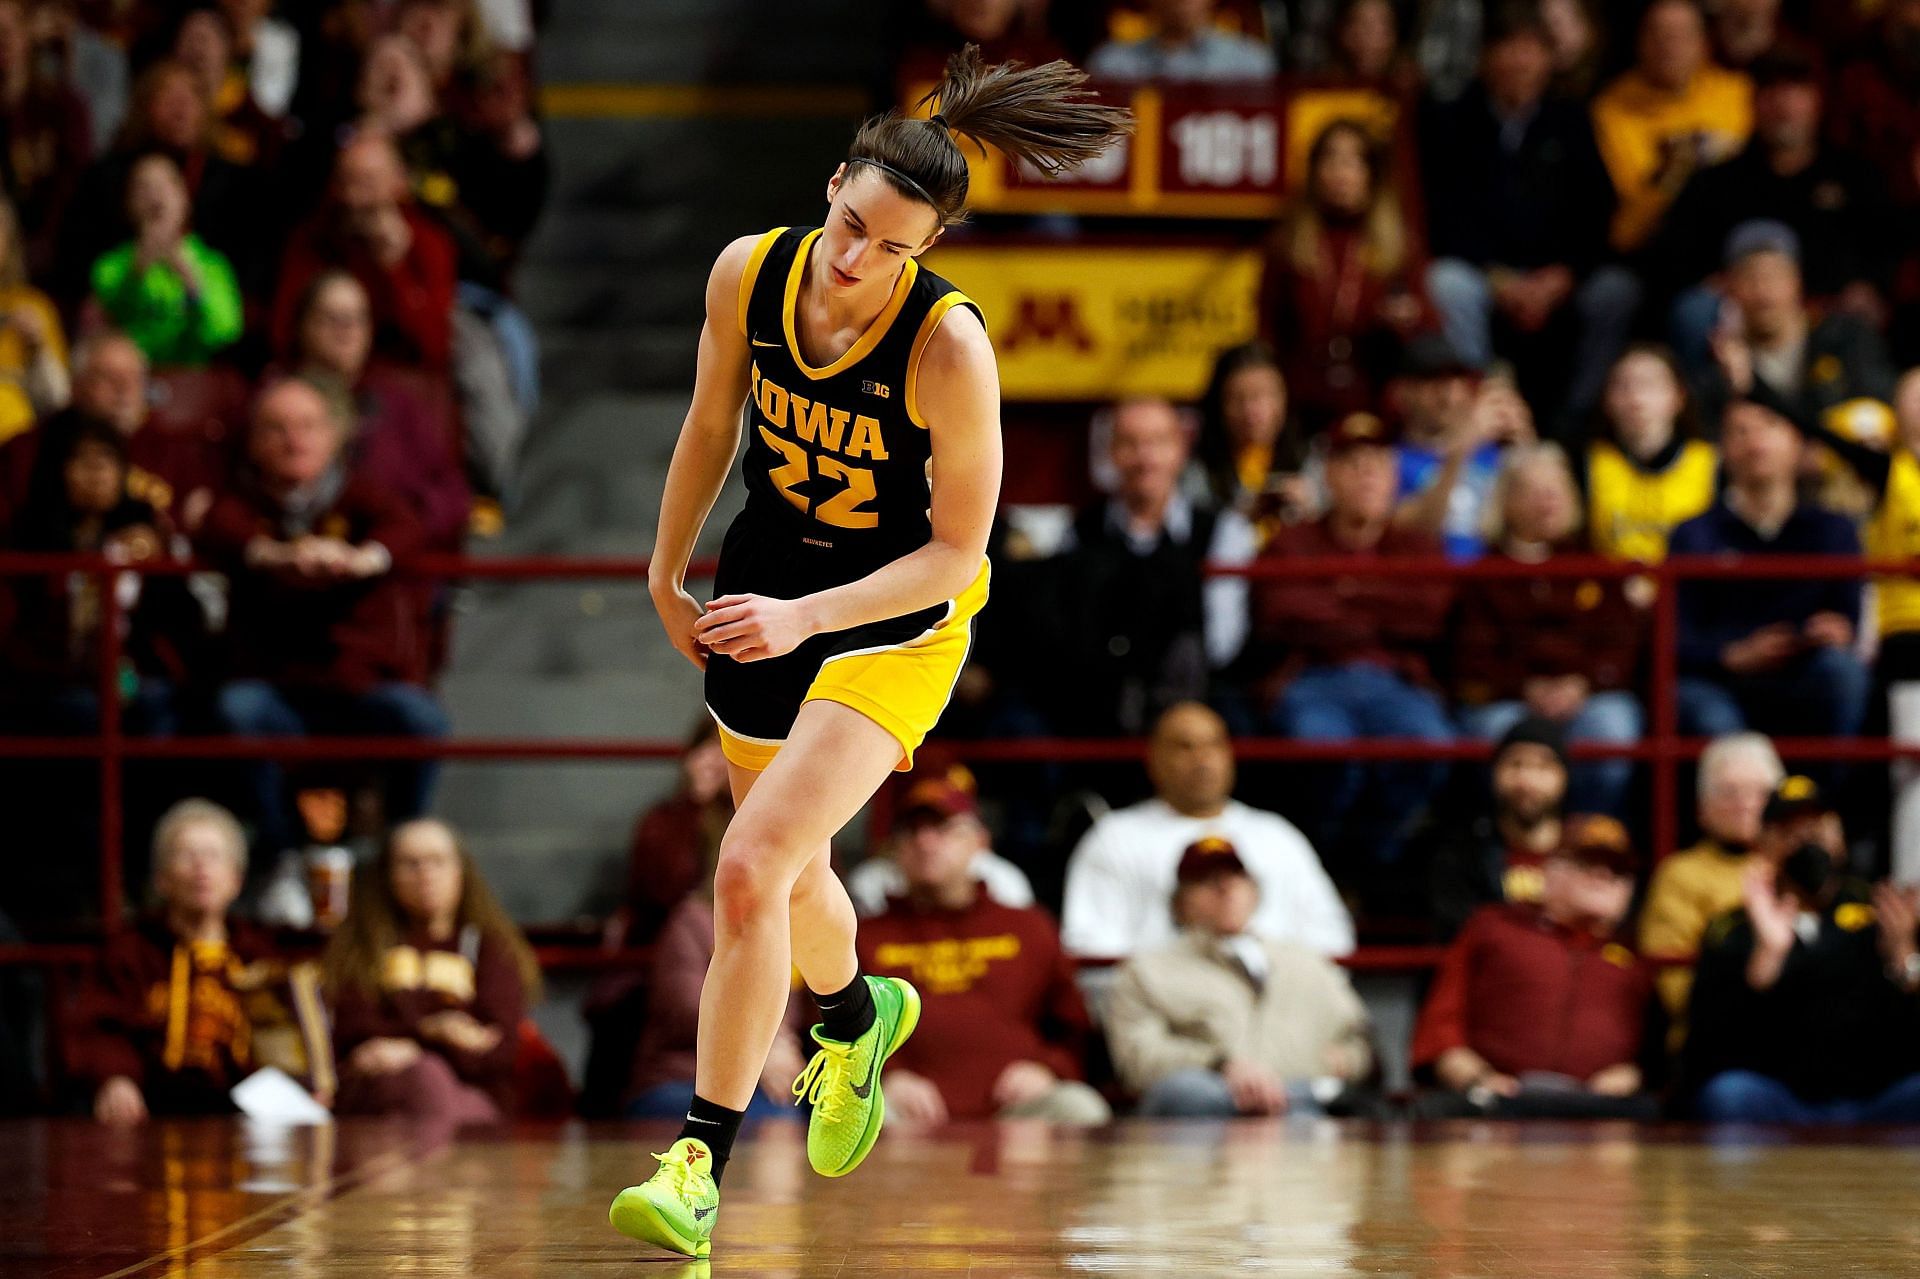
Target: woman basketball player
[845, 590]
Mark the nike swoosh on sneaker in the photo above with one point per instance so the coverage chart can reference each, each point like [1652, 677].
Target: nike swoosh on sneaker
[701, 1214]
[865, 1089]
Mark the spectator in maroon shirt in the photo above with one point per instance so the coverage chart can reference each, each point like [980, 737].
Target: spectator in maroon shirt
[1341, 287]
[675, 841]
[1347, 656]
[163, 1027]
[429, 981]
[323, 637]
[1541, 1011]
[370, 227]
[1002, 1026]
[1564, 648]
[174, 471]
[406, 439]
[45, 139]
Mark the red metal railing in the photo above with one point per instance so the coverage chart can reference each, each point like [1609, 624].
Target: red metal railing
[1663, 750]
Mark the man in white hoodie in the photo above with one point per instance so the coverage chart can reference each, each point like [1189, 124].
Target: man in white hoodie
[1120, 879]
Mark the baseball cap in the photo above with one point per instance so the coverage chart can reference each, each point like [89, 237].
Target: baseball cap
[1356, 430]
[938, 797]
[1207, 857]
[1761, 235]
[1595, 839]
[1795, 796]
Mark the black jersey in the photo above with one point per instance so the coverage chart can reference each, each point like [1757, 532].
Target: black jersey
[838, 457]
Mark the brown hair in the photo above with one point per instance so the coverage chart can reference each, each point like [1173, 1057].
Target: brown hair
[375, 923]
[1045, 116]
[1383, 226]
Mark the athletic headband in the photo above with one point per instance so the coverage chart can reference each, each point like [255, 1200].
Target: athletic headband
[915, 187]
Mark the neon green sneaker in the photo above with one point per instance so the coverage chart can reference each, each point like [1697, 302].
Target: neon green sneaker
[676, 1207]
[842, 1082]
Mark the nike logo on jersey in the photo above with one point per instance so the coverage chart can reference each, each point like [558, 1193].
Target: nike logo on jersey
[758, 342]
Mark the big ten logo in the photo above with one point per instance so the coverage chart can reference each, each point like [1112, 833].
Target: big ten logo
[1101, 170]
[1226, 149]
[1047, 318]
[947, 967]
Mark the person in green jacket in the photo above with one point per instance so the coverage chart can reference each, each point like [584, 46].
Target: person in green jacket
[167, 289]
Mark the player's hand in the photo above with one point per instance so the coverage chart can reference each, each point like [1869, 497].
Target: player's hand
[119, 1102]
[913, 1100]
[679, 612]
[1022, 1082]
[750, 628]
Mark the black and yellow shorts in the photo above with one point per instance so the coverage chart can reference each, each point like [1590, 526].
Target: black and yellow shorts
[899, 673]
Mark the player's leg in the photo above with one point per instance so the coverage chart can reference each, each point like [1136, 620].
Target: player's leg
[833, 761]
[820, 914]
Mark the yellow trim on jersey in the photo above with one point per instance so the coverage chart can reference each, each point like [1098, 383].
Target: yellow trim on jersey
[936, 314]
[868, 340]
[752, 273]
[753, 753]
[904, 688]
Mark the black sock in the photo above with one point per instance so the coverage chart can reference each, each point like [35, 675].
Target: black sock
[715, 1125]
[846, 1014]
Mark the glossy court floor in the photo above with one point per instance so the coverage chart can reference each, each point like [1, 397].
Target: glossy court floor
[217, 1199]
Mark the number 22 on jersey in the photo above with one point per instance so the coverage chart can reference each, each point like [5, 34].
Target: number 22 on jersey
[834, 431]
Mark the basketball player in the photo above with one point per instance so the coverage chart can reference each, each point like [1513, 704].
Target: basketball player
[845, 589]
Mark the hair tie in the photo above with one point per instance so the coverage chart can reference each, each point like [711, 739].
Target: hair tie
[940, 120]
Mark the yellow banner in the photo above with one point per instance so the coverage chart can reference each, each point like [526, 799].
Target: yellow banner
[1086, 323]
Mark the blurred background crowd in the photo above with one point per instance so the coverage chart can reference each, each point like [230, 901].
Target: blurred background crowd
[1529, 295]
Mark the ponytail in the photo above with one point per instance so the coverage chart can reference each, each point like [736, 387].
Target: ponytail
[1042, 115]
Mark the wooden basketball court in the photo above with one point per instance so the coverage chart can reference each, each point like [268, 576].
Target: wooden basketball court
[216, 1198]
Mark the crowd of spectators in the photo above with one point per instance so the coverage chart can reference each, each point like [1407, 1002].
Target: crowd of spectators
[1554, 283]
[1197, 974]
[1570, 282]
[256, 312]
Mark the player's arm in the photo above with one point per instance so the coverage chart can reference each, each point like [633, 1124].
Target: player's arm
[703, 456]
[959, 389]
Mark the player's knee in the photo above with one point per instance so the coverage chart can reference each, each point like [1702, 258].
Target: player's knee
[746, 884]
